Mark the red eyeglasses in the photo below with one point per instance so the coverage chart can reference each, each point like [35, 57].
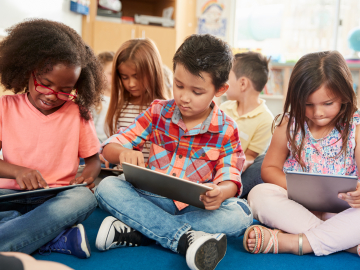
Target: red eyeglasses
[47, 91]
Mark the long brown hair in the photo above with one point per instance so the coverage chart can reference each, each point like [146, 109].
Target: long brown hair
[146, 57]
[312, 71]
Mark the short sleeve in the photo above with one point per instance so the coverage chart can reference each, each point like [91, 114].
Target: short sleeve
[89, 144]
[261, 137]
[1, 115]
[356, 118]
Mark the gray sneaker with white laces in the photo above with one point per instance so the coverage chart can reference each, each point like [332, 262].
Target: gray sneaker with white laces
[113, 234]
[202, 250]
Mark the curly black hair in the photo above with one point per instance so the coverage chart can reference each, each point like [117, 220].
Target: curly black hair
[205, 53]
[39, 44]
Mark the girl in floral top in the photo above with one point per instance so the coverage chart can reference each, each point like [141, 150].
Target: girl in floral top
[318, 133]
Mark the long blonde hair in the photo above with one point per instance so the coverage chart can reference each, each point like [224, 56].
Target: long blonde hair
[146, 57]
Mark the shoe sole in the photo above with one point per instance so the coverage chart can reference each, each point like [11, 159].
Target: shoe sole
[103, 233]
[85, 247]
[206, 255]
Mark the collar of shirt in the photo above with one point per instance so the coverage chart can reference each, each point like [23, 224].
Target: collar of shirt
[213, 123]
[258, 110]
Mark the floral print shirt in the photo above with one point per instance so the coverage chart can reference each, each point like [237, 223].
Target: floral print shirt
[321, 155]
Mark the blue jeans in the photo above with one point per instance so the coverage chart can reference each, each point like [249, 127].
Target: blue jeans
[26, 225]
[252, 176]
[158, 218]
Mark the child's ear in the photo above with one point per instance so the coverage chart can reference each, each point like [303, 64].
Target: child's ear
[243, 83]
[222, 90]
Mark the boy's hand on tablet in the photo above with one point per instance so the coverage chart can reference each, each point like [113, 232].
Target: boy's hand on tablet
[132, 157]
[353, 198]
[79, 180]
[212, 198]
[30, 179]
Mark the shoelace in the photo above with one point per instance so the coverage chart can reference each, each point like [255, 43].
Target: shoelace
[57, 244]
[190, 238]
[128, 237]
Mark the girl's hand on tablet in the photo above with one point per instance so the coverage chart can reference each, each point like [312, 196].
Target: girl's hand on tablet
[81, 179]
[132, 157]
[30, 179]
[212, 198]
[353, 198]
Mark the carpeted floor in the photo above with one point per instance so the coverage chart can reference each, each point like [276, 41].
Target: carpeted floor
[156, 257]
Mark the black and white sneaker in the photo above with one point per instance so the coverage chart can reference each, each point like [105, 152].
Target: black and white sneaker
[113, 234]
[202, 250]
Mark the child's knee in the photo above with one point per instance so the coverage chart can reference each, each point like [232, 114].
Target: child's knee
[240, 219]
[110, 186]
[258, 194]
[85, 197]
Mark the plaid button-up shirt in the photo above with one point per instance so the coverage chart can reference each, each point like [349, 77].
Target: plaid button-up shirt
[208, 153]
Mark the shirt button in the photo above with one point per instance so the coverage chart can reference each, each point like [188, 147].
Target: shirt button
[203, 154]
[180, 156]
[174, 174]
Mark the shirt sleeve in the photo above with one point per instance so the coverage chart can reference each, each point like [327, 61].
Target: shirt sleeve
[262, 136]
[136, 134]
[1, 115]
[89, 144]
[231, 160]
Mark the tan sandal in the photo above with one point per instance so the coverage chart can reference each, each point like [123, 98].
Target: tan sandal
[259, 240]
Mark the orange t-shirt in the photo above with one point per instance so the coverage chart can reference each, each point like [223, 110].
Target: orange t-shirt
[51, 144]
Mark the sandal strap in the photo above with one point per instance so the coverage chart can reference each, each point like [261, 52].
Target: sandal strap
[258, 244]
[273, 241]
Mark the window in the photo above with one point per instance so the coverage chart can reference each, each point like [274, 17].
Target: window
[288, 29]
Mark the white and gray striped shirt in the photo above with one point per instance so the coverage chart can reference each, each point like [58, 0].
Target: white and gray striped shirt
[127, 117]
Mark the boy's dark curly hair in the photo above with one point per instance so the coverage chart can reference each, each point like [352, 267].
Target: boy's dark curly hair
[205, 53]
[39, 44]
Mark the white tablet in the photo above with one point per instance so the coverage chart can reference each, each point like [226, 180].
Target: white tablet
[22, 195]
[165, 185]
[319, 192]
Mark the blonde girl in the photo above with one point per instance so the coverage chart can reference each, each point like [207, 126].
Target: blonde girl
[137, 80]
[319, 133]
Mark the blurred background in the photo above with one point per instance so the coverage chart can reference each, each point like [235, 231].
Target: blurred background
[281, 29]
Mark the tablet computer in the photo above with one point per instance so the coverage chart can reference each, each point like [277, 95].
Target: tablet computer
[115, 170]
[22, 195]
[319, 192]
[165, 185]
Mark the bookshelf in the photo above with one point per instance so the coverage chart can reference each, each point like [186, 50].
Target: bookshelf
[108, 34]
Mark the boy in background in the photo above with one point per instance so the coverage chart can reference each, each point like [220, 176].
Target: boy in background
[247, 79]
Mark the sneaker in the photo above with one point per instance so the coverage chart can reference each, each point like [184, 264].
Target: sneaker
[71, 241]
[113, 234]
[202, 250]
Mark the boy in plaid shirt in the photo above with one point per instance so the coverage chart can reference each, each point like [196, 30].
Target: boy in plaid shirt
[190, 138]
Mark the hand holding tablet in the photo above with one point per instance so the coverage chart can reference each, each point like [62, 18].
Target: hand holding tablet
[165, 185]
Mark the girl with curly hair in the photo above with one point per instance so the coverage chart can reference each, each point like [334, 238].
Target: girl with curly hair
[44, 130]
